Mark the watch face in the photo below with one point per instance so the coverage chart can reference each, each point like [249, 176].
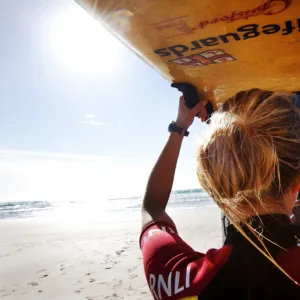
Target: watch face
[174, 128]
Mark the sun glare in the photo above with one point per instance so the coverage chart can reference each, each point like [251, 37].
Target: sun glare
[82, 45]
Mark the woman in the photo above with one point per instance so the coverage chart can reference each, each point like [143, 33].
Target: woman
[249, 163]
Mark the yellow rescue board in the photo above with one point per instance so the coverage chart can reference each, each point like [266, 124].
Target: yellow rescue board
[220, 46]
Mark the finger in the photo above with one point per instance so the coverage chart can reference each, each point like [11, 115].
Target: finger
[203, 115]
[202, 103]
[199, 115]
[200, 106]
[181, 103]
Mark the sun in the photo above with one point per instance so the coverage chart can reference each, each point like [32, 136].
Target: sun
[82, 44]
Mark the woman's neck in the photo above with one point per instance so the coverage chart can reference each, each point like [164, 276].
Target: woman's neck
[266, 210]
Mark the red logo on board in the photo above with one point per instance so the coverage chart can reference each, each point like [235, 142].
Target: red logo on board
[209, 57]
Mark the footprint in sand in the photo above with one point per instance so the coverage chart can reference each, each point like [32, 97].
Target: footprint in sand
[143, 293]
[131, 276]
[118, 284]
[63, 267]
[113, 295]
[5, 255]
[119, 252]
[33, 283]
[5, 295]
[46, 275]
[92, 280]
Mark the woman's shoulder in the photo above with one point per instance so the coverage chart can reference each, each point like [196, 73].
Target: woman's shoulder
[173, 269]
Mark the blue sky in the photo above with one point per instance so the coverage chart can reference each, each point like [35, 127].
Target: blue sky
[80, 115]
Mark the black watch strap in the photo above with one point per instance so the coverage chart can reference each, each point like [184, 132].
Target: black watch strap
[173, 127]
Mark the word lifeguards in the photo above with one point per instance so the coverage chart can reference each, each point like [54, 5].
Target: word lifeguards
[245, 32]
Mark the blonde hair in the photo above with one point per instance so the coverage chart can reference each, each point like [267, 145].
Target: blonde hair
[251, 156]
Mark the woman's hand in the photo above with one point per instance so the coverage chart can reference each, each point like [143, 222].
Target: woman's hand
[186, 116]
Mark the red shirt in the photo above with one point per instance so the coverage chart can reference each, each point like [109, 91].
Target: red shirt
[236, 271]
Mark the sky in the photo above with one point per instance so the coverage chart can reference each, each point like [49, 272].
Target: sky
[81, 116]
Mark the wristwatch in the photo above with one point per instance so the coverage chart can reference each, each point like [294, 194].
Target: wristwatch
[173, 127]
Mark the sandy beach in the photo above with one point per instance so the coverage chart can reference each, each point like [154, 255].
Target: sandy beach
[87, 260]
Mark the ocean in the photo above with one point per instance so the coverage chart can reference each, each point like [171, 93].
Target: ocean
[183, 199]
